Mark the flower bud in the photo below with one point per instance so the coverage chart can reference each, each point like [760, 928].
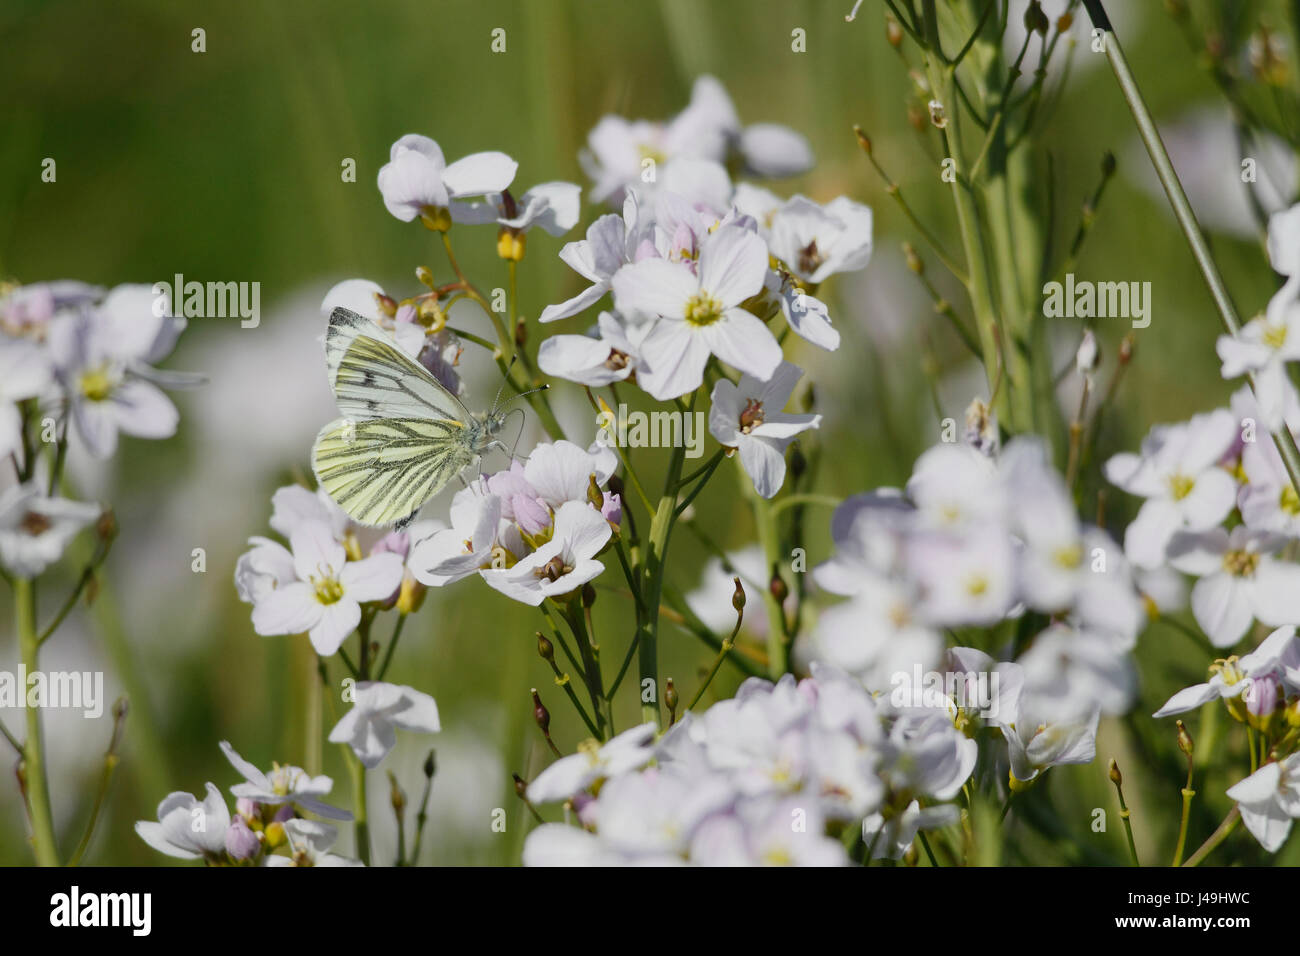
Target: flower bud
[1035, 19]
[396, 795]
[425, 276]
[386, 303]
[540, 713]
[545, 648]
[914, 261]
[241, 842]
[863, 140]
[511, 245]
[246, 808]
[671, 700]
[594, 495]
[521, 785]
[1185, 743]
[1064, 21]
[738, 595]
[410, 594]
[1113, 772]
[893, 32]
[1088, 356]
[778, 588]
[431, 764]
[275, 836]
[611, 508]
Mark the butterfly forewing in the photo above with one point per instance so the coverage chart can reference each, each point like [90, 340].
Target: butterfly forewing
[380, 471]
[373, 378]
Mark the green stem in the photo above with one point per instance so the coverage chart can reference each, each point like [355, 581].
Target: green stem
[661, 526]
[358, 774]
[38, 789]
[1218, 836]
[980, 284]
[1173, 187]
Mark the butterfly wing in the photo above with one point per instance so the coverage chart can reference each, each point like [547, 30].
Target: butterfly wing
[382, 470]
[373, 378]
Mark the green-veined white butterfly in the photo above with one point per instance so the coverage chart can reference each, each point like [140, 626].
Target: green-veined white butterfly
[402, 435]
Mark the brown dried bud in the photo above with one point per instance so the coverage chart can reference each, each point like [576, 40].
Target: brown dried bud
[431, 764]
[779, 589]
[540, 713]
[521, 786]
[738, 595]
[588, 595]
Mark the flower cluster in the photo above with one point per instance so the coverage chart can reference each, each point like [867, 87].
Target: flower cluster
[973, 541]
[269, 810]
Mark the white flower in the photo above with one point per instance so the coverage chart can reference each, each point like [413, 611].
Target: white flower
[749, 417]
[25, 372]
[35, 530]
[361, 296]
[263, 568]
[1037, 740]
[294, 506]
[555, 207]
[103, 358]
[806, 314]
[700, 314]
[816, 241]
[290, 786]
[561, 565]
[963, 579]
[786, 832]
[325, 601]
[956, 487]
[1262, 347]
[187, 829]
[1239, 582]
[1178, 473]
[893, 836]
[369, 728]
[609, 356]
[611, 243]
[1269, 799]
[561, 471]
[1284, 241]
[630, 750]
[1071, 671]
[1278, 655]
[454, 553]
[417, 178]
[1267, 499]
[309, 845]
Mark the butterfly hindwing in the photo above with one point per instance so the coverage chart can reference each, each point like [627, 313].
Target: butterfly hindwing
[373, 378]
[381, 470]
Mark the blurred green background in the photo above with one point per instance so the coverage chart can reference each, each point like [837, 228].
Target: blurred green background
[225, 165]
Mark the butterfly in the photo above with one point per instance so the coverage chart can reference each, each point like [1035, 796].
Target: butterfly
[402, 435]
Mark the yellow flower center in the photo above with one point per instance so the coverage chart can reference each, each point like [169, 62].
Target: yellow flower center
[96, 385]
[1181, 486]
[1275, 336]
[328, 590]
[703, 309]
[1241, 563]
[1069, 556]
[1290, 501]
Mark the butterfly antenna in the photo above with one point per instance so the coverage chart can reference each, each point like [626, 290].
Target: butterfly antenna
[531, 391]
[496, 402]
